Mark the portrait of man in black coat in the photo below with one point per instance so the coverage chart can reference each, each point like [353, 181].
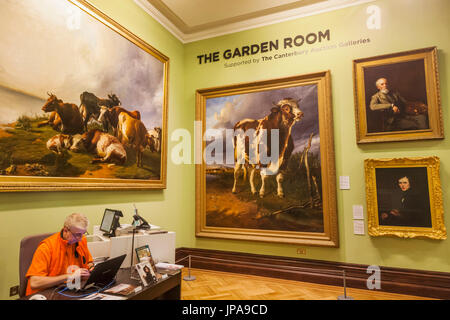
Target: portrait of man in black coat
[408, 204]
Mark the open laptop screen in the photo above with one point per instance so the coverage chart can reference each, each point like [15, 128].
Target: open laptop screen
[104, 272]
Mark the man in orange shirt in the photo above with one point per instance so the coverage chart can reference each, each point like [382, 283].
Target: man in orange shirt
[59, 255]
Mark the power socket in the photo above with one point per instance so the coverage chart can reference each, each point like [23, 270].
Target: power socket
[14, 291]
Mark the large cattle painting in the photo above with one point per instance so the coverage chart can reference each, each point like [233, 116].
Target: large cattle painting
[268, 172]
[68, 74]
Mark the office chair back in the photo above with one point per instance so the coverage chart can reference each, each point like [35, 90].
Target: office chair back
[28, 246]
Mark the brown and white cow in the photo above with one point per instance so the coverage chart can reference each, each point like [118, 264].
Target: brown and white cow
[155, 139]
[109, 117]
[132, 132]
[59, 143]
[71, 121]
[107, 147]
[250, 144]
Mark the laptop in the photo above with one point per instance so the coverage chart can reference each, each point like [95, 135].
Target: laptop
[103, 273]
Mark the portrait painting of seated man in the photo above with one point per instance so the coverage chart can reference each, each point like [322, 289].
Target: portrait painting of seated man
[396, 98]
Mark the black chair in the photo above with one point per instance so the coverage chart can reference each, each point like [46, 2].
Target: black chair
[28, 246]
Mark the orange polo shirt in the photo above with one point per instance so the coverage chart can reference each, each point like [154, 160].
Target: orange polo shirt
[53, 257]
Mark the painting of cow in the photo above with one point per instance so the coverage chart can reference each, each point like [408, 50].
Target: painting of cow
[268, 171]
[281, 118]
[132, 132]
[90, 105]
[69, 114]
[107, 147]
[109, 117]
[57, 88]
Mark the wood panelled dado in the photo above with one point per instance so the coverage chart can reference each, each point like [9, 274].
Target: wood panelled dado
[396, 280]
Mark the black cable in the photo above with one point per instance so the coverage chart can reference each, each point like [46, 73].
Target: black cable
[87, 294]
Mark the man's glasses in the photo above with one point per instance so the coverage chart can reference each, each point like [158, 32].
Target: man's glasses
[77, 234]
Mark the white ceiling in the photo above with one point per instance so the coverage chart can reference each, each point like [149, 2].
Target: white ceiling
[222, 10]
[192, 20]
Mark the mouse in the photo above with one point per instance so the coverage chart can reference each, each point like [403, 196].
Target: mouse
[38, 297]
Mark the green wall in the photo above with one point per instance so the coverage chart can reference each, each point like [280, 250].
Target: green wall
[23, 214]
[406, 24]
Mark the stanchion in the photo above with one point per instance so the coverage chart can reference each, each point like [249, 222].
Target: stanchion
[345, 297]
[189, 277]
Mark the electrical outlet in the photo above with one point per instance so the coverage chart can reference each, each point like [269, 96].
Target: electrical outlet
[13, 291]
[301, 251]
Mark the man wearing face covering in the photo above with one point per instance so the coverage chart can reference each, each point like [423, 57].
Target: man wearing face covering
[55, 254]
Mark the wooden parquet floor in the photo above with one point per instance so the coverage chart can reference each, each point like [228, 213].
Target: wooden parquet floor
[215, 285]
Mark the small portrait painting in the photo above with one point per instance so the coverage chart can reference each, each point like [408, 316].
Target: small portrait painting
[404, 198]
[397, 97]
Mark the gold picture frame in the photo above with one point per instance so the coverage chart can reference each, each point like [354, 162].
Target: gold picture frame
[302, 209]
[404, 198]
[97, 57]
[411, 110]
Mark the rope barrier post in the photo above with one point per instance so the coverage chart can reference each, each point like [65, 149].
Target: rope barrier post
[189, 277]
[345, 297]
[334, 272]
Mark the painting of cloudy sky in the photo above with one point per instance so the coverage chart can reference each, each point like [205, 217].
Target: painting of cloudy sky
[225, 112]
[53, 46]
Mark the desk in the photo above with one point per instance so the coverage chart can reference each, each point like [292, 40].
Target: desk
[162, 245]
[164, 289]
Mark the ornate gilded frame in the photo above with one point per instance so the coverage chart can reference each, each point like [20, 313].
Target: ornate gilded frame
[329, 237]
[431, 165]
[424, 77]
[34, 183]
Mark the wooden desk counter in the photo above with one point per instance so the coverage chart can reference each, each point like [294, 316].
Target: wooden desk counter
[164, 289]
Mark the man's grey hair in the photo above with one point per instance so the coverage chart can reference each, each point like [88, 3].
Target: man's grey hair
[76, 220]
[378, 81]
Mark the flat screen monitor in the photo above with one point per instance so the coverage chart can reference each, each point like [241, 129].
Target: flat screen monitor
[110, 220]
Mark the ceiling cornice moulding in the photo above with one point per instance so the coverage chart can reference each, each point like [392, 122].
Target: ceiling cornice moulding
[176, 26]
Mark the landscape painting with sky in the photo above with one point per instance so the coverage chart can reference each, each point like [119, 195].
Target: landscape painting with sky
[51, 49]
[300, 207]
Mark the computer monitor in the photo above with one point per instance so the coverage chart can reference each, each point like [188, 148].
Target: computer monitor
[110, 222]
